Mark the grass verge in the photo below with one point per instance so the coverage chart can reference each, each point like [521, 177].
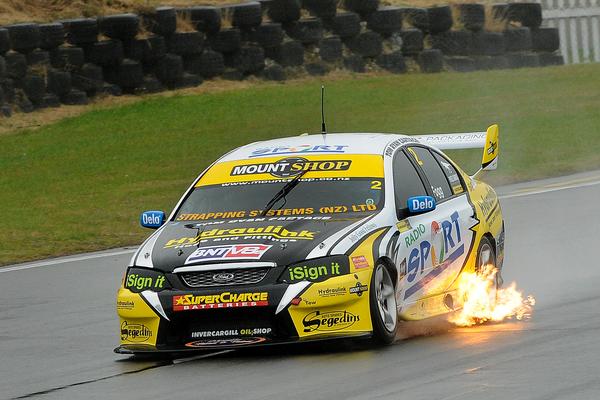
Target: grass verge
[79, 184]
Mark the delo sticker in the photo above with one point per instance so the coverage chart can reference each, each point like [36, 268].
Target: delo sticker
[228, 252]
[299, 149]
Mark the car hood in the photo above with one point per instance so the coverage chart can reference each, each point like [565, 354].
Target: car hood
[272, 240]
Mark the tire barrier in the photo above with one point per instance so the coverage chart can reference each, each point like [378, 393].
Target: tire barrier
[70, 61]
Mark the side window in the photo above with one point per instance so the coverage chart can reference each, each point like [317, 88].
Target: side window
[433, 171]
[407, 182]
[451, 173]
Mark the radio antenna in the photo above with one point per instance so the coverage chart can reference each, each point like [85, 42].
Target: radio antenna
[323, 127]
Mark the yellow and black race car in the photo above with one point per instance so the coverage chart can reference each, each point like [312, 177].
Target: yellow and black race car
[312, 237]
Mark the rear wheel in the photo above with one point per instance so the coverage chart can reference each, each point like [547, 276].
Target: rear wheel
[384, 314]
[486, 258]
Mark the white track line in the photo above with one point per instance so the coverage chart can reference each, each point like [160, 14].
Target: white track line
[554, 187]
[67, 260]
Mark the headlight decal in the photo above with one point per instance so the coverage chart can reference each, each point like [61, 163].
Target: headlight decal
[138, 280]
[316, 270]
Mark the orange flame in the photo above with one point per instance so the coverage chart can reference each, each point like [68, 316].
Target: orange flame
[480, 305]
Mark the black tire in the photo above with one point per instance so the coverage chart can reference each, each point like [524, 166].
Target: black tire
[324, 9]
[249, 60]
[51, 100]
[440, 19]
[38, 57]
[5, 111]
[89, 78]
[362, 7]
[416, 17]
[226, 41]
[488, 43]
[232, 74]
[316, 68]
[518, 39]
[150, 85]
[289, 54]
[307, 30]
[486, 255]
[472, 16]
[355, 63]
[75, 98]
[284, 11]
[59, 82]
[431, 61]
[16, 65]
[246, 15]
[453, 43]
[162, 21]
[121, 26]
[274, 72]
[169, 69]
[52, 35]
[8, 87]
[545, 39]
[548, 59]
[68, 58]
[209, 64]
[269, 35]
[331, 49]
[412, 41]
[526, 14]
[499, 12]
[385, 21]
[187, 81]
[382, 302]
[130, 75]
[392, 62]
[206, 19]
[24, 37]
[105, 53]
[4, 41]
[34, 87]
[346, 25]
[460, 64]
[147, 50]
[81, 31]
[367, 44]
[111, 89]
[25, 105]
[185, 43]
[523, 60]
[2, 68]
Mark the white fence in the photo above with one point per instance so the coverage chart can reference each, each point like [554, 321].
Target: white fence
[578, 23]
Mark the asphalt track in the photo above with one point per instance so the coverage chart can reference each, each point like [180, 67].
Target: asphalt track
[58, 327]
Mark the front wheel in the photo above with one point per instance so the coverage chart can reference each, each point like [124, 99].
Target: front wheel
[384, 313]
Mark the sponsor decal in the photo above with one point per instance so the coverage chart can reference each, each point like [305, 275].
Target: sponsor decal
[148, 280]
[358, 289]
[444, 247]
[362, 231]
[316, 270]
[223, 277]
[492, 148]
[389, 150]
[490, 205]
[228, 252]
[271, 232]
[360, 262]
[299, 149]
[135, 332]
[125, 305]
[332, 292]
[414, 235]
[424, 203]
[231, 332]
[404, 226]
[226, 342]
[245, 213]
[290, 167]
[190, 302]
[328, 321]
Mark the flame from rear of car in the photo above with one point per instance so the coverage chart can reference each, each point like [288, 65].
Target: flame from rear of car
[477, 291]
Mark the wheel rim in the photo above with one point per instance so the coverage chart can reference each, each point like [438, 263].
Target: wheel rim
[386, 298]
[486, 257]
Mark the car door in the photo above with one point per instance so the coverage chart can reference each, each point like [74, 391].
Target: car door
[432, 246]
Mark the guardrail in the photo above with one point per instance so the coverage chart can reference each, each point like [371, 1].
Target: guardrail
[578, 23]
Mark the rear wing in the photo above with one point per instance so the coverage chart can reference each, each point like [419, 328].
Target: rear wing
[488, 141]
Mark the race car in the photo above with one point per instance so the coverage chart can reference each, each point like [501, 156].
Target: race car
[313, 237]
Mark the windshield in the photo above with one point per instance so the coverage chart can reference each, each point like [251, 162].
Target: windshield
[354, 185]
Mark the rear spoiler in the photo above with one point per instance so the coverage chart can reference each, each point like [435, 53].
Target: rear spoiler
[488, 141]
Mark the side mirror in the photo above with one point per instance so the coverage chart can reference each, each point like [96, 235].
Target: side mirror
[420, 204]
[152, 219]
